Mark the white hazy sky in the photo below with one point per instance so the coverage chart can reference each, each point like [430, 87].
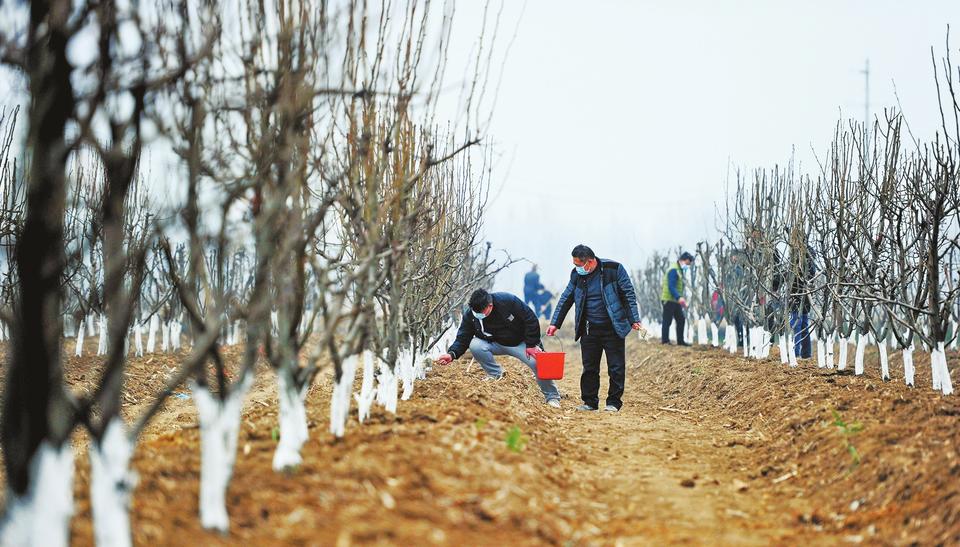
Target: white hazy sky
[616, 120]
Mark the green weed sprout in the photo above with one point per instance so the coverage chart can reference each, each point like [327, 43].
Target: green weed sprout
[515, 439]
[846, 431]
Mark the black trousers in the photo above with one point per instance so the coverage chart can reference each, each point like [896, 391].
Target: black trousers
[672, 311]
[593, 345]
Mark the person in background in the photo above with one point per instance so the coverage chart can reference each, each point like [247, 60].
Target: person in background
[532, 288]
[500, 324]
[673, 299]
[800, 304]
[606, 312]
[546, 304]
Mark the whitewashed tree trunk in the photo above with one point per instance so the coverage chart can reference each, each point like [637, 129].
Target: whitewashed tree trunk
[274, 322]
[821, 354]
[138, 338]
[175, 334]
[367, 390]
[3, 331]
[387, 388]
[164, 337]
[714, 335]
[407, 376]
[858, 359]
[293, 422]
[91, 326]
[102, 346]
[111, 485]
[784, 356]
[79, 349]
[830, 355]
[908, 366]
[41, 516]
[884, 361]
[219, 427]
[941, 373]
[702, 332]
[236, 331]
[731, 339]
[842, 363]
[340, 398]
[152, 334]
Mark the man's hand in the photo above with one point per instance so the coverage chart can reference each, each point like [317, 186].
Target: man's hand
[445, 359]
[533, 351]
[551, 330]
[682, 301]
[637, 326]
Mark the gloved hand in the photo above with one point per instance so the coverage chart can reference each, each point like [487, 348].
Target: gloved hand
[551, 330]
[445, 359]
[682, 301]
[533, 351]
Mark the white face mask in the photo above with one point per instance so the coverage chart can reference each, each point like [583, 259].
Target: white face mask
[479, 315]
[685, 267]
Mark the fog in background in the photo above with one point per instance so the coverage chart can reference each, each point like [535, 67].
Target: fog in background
[617, 122]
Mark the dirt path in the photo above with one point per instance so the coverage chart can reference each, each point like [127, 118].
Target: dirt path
[660, 476]
[709, 449]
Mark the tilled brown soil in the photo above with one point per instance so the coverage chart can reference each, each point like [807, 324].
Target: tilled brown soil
[709, 449]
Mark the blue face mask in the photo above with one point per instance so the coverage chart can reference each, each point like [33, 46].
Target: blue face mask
[581, 270]
[478, 315]
[685, 267]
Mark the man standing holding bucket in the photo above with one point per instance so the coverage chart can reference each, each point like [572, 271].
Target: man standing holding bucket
[500, 324]
[606, 311]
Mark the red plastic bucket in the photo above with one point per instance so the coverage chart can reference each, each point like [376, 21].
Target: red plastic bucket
[550, 365]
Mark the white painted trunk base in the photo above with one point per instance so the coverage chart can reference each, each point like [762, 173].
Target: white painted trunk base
[730, 339]
[41, 517]
[830, 355]
[862, 341]
[940, 371]
[293, 422]
[111, 485]
[784, 356]
[341, 395]
[702, 332]
[908, 369]
[367, 387]
[714, 335]
[152, 334]
[821, 354]
[884, 359]
[387, 388]
[407, 375]
[842, 363]
[138, 339]
[79, 349]
[792, 349]
[91, 326]
[164, 337]
[219, 426]
[102, 346]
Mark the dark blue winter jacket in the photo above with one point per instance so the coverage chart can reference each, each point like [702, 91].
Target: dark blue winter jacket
[510, 324]
[618, 296]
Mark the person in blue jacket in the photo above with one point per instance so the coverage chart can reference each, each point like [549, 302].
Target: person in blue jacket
[500, 324]
[606, 312]
[532, 288]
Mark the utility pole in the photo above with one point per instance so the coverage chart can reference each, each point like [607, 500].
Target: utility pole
[866, 112]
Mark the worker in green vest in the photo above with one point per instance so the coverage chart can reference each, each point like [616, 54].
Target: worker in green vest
[673, 300]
